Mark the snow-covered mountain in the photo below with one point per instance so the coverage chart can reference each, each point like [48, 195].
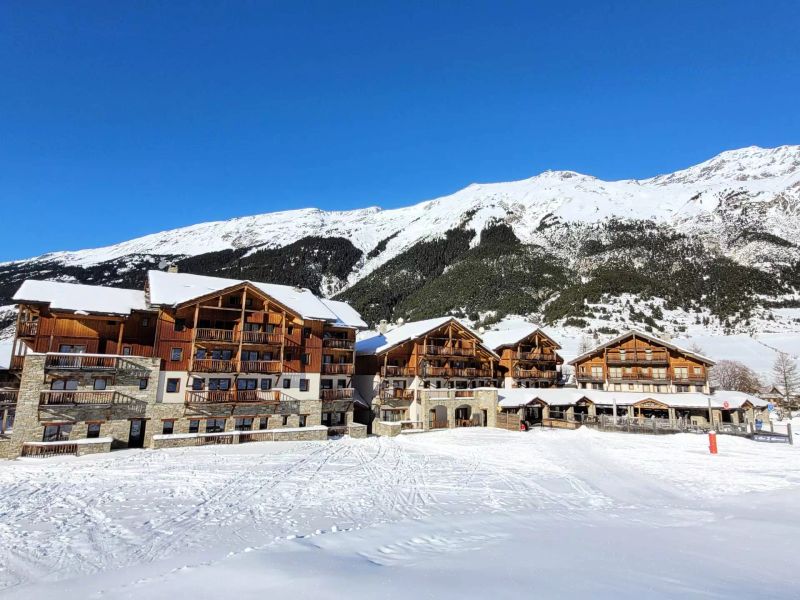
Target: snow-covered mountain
[742, 207]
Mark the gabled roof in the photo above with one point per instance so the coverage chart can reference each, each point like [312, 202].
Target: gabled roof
[173, 289]
[509, 337]
[374, 342]
[647, 336]
[79, 298]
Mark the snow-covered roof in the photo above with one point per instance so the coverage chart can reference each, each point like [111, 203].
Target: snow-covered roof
[646, 336]
[512, 398]
[506, 337]
[172, 289]
[374, 342]
[347, 315]
[81, 298]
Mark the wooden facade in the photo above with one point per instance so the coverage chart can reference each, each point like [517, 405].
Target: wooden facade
[531, 361]
[642, 363]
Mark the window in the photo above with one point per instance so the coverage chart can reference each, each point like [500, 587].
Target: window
[326, 384]
[176, 354]
[143, 381]
[145, 322]
[249, 355]
[194, 426]
[302, 420]
[198, 384]
[168, 427]
[698, 388]
[222, 383]
[93, 430]
[173, 385]
[126, 351]
[266, 384]
[262, 423]
[180, 324]
[290, 330]
[327, 359]
[304, 385]
[341, 383]
[287, 383]
[681, 388]
[244, 424]
[306, 332]
[246, 384]
[71, 349]
[305, 359]
[64, 384]
[698, 370]
[100, 383]
[285, 420]
[57, 433]
[215, 425]
[597, 372]
[200, 354]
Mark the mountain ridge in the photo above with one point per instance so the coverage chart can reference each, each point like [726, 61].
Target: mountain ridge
[737, 213]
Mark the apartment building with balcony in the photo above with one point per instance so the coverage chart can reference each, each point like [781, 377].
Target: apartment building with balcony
[639, 362]
[528, 357]
[188, 360]
[430, 374]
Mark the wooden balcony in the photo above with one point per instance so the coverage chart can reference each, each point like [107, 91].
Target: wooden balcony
[337, 368]
[337, 394]
[395, 371]
[639, 376]
[536, 374]
[590, 377]
[536, 355]
[260, 366]
[223, 336]
[236, 396]
[83, 398]
[213, 365]
[397, 394]
[59, 361]
[8, 397]
[27, 329]
[17, 363]
[338, 344]
[446, 394]
[689, 378]
[615, 357]
[445, 350]
[468, 372]
[274, 337]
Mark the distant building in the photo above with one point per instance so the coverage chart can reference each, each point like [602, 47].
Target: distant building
[639, 362]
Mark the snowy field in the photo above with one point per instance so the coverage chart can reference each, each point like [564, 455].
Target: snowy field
[459, 514]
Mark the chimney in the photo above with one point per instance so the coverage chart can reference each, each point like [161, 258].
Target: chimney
[172, 269]
[383, 326]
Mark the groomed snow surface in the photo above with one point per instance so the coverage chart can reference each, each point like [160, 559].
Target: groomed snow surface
[475, 513]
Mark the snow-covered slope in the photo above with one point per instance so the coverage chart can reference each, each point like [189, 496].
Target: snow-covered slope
[696, 199]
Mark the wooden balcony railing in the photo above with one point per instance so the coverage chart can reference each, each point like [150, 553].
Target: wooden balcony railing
[8, 397]
[446, 394]
[638, 376]
[206, 334]
[46, 450]
[275, 397]
[260, 366]
[66, 361]
[689, 378]
[395, 371]
[535, 374]
[537, 355]
[263, 337]
[434, 424]
[445, 350]
[470, 372]
[338, 344]
[27, 328]
[336, 394]
[87, 398]
[397, 394]
[636, 357]
[589, 376]
[337, 368]
[17, 362]
[213, 365]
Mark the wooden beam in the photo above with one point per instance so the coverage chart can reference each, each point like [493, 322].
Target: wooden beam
[194, 337]
[119, 336]
[52, 334]
[241, 327]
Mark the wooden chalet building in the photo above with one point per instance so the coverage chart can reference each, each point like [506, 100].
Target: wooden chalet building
[638, 362]
[430, 374]
[528, 357]
[189, 360]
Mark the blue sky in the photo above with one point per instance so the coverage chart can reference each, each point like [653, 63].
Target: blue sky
[118, 119]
